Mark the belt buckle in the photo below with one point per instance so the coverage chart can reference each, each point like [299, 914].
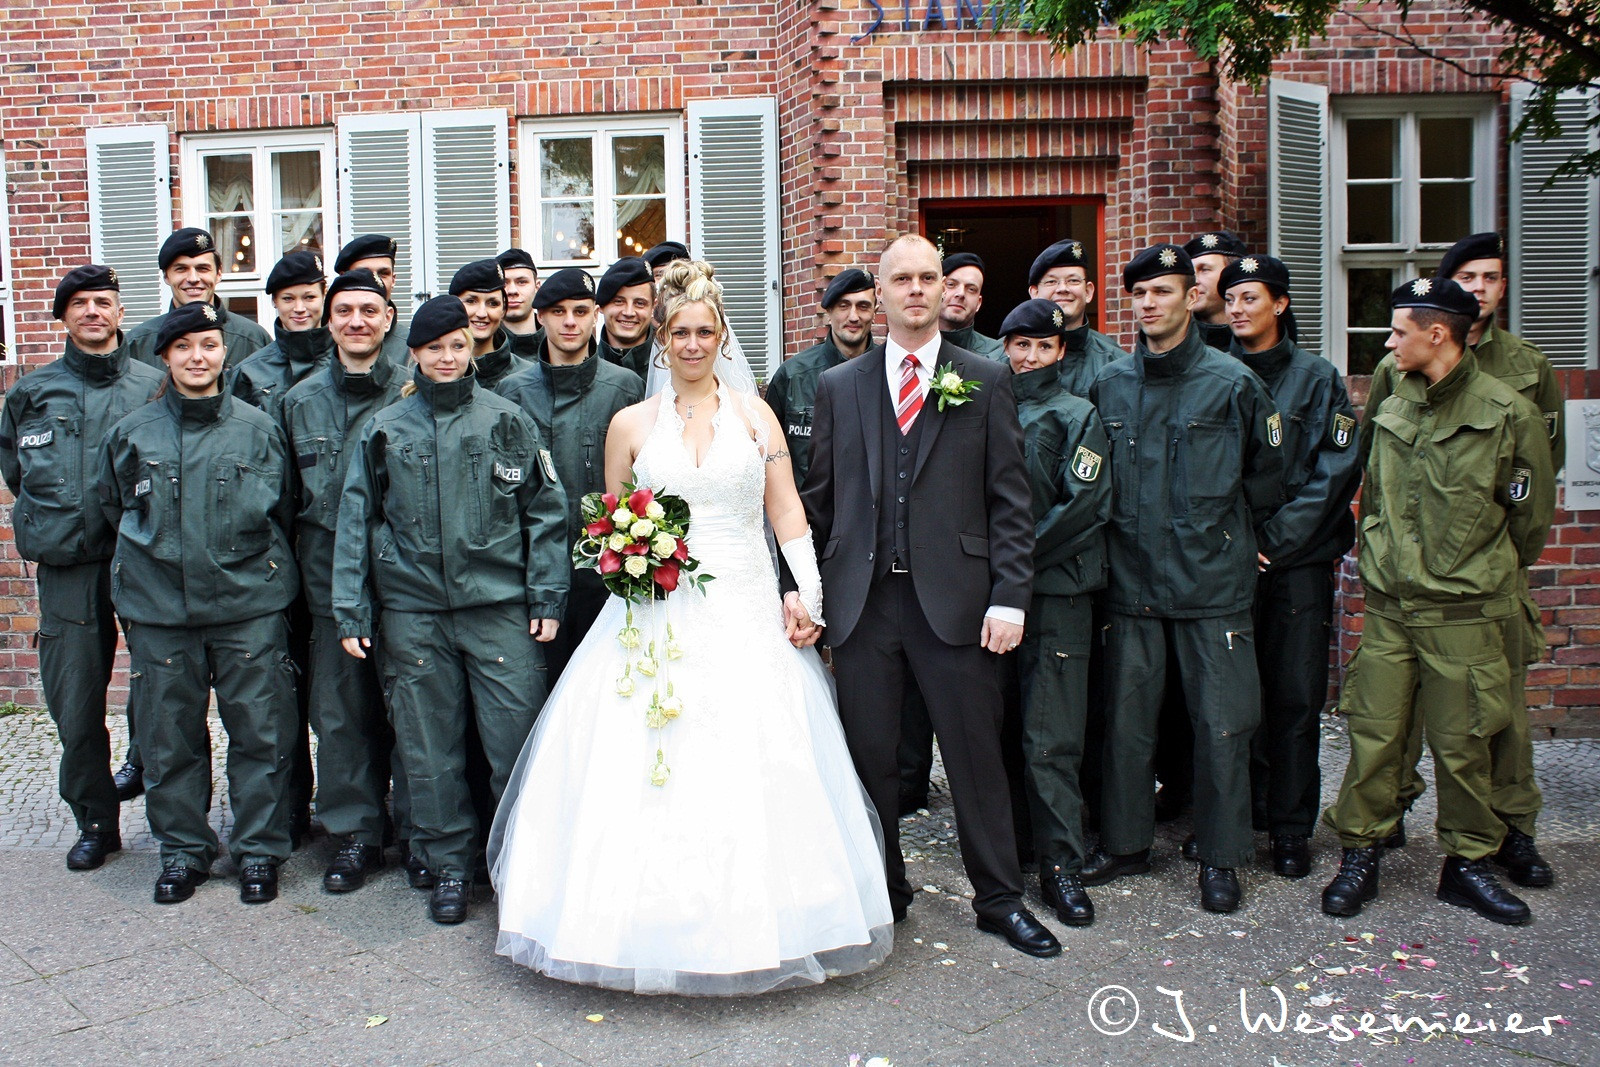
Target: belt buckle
[897, 567]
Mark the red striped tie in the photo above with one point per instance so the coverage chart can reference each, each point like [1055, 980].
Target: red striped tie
[909, 404]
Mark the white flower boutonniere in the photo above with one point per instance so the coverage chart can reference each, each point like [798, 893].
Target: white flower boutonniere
[951, 388]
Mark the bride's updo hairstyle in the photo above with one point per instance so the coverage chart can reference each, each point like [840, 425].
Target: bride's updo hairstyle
[686, 282]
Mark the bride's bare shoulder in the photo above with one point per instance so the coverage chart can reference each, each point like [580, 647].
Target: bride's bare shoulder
[636, 419]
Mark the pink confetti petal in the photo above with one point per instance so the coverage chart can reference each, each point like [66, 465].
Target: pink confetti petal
[1584, 981]
[1566, 985]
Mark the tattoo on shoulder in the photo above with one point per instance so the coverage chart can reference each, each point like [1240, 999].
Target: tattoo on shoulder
[779, 454]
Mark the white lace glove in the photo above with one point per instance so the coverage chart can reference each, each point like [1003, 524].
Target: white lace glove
[801, 556]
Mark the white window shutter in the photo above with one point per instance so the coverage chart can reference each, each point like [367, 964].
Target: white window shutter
[466, 183]
[1554, 234]
[379, 156]
[1297, 190]
[733, 216]
[130, 209]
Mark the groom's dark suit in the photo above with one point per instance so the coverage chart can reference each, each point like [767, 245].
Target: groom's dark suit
[957, 482]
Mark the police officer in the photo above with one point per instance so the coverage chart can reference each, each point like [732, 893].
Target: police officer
[198, 486]
[571, 395]
[378, 253]
[454, 517]
[1061, 273]
[1197, 469]
[958, 308]
[1459, 496]
[53, 422]
[1301, 545]
[1066, 452]
[626, 297]
[658, 256]
[191, 266]
[1478, 264]
[1211, 253]
[522, 281]
[322, 418]
[481, 286]
[297, 288]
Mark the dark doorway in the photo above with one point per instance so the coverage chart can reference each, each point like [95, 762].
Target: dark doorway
[1007, 235]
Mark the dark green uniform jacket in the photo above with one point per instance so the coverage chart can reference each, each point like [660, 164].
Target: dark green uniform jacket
[1088, 352]
[244, 337]
[969, 338]
[572, 407]
[1459, 493]
[200, 494]
[394, 343]
[792, 396]
[1321, 452]
[50, 434]
[527, 345]
[264, 379]
[1216, 334]
[636, 359]
[1197, 469]
[451, 502]
[323, 417]
[1066, 453]
[500, 363]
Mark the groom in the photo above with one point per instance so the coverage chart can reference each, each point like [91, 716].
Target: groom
[926, 551]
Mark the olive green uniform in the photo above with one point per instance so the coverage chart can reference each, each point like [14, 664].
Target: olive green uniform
[453, 519]
[635, 358]
[499, 363]
[199, 492]
[527, 345]
[394, 342]
[792, 395]
[1087, 354]
[54, 420]
[1458, 497]
[243, 338]
[1196, 468]
[970, 339]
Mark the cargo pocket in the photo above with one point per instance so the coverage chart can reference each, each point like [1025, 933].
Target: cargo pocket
[1347, 687]
[1489, 690]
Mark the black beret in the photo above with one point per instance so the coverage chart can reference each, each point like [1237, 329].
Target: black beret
[90, 277]
[957, 260]
[1154, 262]
[367, 246]
[512, 258]
[1440, 294]
[296, 268]
[1478, 246]
[1035, 318]
[479, 276]
[665, 253]
[189, 241]
[361, 280]
[569, 283]
[1264, 269]
[195, 317]
[1216, 243]
[1067, 253]
[850, 280]
[629, 270]
[434, 319]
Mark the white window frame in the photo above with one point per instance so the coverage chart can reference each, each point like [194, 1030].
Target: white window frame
[602, 129]
[1483, 109]
[259, 145]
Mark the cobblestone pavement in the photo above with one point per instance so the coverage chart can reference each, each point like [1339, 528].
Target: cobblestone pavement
[91, 971]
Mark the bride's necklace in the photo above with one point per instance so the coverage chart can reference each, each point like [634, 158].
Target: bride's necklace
[688, 408]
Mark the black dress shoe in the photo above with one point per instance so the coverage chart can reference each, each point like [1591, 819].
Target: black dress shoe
[910, 805]
[348, 871]
[1023, 932]
[258, 883]
[418, 873]
[1191, 849]
[92, 848]
[1102, 867]
[1291, 855]
[129, 780]
[448, 901]
[1519, 856]
[1470, 884]
[898, 912]
[178, 883]
[1356, 883]
[1219, 889]
[1398, 838]
[1065, 894]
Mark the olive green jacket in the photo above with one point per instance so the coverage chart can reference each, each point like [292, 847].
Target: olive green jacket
[1088, 352]
[636, 358]
[969, 338]
[1066, 450]
[264, 378]
[792, 396]
[243, 338]
[499, 363]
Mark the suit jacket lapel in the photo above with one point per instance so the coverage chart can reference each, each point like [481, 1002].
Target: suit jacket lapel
[872, 389]
[932, 418]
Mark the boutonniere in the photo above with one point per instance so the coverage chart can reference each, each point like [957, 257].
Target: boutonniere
[952, 388]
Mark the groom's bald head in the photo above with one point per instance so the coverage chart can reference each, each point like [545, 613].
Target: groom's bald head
[910, 244]
[910, 284]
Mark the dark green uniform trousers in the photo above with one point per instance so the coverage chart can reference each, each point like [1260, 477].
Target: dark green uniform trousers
[1054, 668]
[1216, 660]
[174, 668]
[1454, 679]
[430, 662]
[353, 737]
[1293, 616]
[585, 597]
[77, 642]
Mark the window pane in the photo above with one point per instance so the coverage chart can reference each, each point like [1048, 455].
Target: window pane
[1370, 214]
[1364, 351]
[297, 180]
[641, 164]
[1372, 148]
[1369, 289]
[241, 305]
[1446, 147]
[568, 231]
[641, 224]
[566, 167]
[236, 242]
[1446, 212]
[230, 184]
[300, 231]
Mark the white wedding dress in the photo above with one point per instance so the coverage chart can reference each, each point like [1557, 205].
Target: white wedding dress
[758, 865]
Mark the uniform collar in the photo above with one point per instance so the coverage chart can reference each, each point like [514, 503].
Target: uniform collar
[195, 412]
[1268, 363]
[1078, 339]
[571, 377]
[446, 396]
[93, 368]
[493, 365]
[374, 381]
[303, 346]
[1036, 385]
[621, 355]
[1413, 385]
[961, 338]
[527, 345]
[1216, 334]
[1173, 362]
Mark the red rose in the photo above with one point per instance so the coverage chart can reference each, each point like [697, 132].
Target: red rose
[637, 548]
[681, 553]
[610, 562]
[666, 575]
[599, 528]
[640, 500]
[610, 501]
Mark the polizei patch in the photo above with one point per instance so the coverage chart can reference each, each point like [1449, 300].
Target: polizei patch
[1275, 429]
[36, 440]
[509, 475]
[1086, 464]
[1521, 481]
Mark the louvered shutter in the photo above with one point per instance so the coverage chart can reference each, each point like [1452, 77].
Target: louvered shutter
[466, 190]
[130, 209]
[1554, 234]
[733, 215]
[379, 159]
[1297, 191]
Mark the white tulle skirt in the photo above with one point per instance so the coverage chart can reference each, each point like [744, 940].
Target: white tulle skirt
[757, 866]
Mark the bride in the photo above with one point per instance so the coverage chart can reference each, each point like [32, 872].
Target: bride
[758, 863]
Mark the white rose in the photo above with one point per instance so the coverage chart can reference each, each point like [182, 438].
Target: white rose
[625, 686]
[643, 528]
[664, 545]
[655, 511]
[618, 542]
[636, 566]
[950, 381]
[623, 518]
